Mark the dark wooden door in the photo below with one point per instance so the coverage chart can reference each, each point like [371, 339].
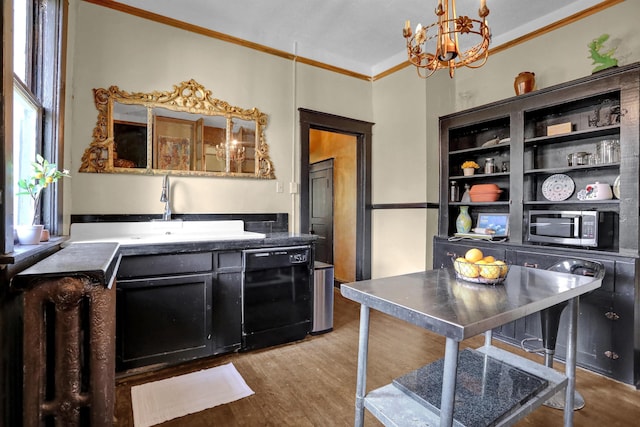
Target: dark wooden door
[321, 208]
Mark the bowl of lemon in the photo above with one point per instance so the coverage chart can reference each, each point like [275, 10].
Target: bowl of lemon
[475, 267]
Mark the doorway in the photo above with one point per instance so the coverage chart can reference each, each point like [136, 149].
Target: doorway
[362, 131]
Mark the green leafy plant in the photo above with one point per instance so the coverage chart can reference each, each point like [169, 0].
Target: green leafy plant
[604, 59]
[44, 174]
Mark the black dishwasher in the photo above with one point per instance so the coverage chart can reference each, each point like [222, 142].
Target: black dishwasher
[276, 295]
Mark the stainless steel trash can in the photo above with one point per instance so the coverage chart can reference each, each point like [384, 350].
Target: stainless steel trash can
[322, 298]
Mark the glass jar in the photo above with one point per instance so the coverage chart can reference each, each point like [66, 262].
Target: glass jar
[489, 165]
[608, 151]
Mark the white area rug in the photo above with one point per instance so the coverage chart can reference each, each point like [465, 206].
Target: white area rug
[163, 400]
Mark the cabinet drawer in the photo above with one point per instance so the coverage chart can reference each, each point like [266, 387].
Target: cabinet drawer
[228, 261]
[156, 265]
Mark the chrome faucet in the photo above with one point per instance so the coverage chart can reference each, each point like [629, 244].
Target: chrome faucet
[166, 198]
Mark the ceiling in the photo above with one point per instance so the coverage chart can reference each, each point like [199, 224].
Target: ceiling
[360, 36]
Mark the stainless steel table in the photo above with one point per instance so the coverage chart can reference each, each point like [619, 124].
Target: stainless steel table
[457, 310]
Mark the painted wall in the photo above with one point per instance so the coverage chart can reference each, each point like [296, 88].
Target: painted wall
[113, 48]
[554, 57]
[406, 111]
[342, 148]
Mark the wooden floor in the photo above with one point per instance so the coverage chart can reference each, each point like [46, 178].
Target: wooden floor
[312, 382]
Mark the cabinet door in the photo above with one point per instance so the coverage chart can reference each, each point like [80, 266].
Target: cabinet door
[595, 330]
[624, 356]
[227, 312]
[164, 319]
[227, 301]
[595, 333]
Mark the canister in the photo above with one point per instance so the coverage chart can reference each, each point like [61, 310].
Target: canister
[454, 192]
[608, 151]
[489, 165]
[578, 159]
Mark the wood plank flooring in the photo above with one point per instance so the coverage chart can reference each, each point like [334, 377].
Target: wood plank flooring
[312, 382]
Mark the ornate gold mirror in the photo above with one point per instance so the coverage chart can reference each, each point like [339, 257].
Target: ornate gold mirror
[182, 132]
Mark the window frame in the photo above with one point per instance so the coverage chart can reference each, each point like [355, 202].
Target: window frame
[46, 70]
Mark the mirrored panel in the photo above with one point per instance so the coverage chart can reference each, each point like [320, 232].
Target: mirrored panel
[183, 132]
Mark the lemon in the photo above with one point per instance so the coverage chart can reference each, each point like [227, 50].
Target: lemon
[474, 255]
[489, 259]
[457, 264]
[503, 268]
[469, 270]
[490, 271]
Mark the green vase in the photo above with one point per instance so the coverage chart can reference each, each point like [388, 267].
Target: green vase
[463, 222]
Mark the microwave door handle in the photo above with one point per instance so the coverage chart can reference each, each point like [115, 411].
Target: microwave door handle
[576, 229]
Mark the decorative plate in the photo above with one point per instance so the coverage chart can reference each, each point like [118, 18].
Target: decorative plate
[616, 187]
[558, 187]
[494, 141]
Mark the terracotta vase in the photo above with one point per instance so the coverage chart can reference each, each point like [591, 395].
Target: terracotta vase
[525, 82]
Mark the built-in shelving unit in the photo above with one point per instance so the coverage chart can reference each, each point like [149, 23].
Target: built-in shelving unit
[536, 134]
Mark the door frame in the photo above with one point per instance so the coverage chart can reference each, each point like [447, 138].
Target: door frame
[362, 130]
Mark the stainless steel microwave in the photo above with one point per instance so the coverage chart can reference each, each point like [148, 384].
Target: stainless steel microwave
[575, 228]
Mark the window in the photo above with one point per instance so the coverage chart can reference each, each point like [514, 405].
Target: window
[26, 135]
[38, 37]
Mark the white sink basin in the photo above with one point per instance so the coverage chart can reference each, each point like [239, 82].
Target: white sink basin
[153, 232]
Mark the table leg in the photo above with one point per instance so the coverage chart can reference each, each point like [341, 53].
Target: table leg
[449, 382]
[570, 366]
[363, 349]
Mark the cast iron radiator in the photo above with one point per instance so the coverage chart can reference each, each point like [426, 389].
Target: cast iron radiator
[69, 348]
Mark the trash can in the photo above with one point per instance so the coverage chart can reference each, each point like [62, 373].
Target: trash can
[322, 298]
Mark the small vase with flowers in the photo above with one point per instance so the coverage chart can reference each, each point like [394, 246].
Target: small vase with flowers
[469, 167]
[43, 175]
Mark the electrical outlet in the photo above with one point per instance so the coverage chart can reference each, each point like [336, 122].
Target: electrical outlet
[279, 187]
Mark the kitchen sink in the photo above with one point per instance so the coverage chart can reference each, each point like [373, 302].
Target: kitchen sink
[154, 232]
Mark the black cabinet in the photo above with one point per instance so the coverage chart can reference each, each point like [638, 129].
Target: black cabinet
[177, 307]
[535, 136]
[539, 171]
[163, 319]
[227, 301]
[163, 309]
[606, 325]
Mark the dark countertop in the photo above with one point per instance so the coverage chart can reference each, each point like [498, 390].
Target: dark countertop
[97, 261]
[271, 240]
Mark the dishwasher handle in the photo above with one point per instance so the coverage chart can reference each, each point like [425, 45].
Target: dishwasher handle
[265, 259]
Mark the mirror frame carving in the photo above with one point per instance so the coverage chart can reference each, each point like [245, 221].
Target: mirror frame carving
[189, 97]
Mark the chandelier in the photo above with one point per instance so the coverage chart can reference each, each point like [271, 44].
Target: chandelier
[233, 153]
[446, 34]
